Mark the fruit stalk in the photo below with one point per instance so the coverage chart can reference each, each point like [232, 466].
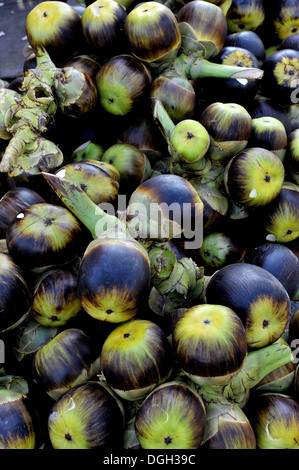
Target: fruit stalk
[178, 281]
[257, 365]
[193, 66]
[25, 116]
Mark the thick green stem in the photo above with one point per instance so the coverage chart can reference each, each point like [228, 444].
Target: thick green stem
[257, 365]
[202, 68]
[76, 200]
[193, 66]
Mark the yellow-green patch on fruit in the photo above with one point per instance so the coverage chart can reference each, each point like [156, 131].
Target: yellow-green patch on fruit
[136, 357]
[254, 177]
[210, 343]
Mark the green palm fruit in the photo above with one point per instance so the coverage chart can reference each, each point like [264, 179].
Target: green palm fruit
[19, 427]
[16, 297]
[280, 217]
[69, 359]
[55, 300]
[136, 357]
[274, 418]
[132, 164]
[257, 296]
[229, 126]
[109, 294]
[152, 32]
[254, 177]
[245, 15]
[122, 82]
[102, 27]
[171, 417]
[210, 344]
[176, 94]
[203, 27]
[219, 249]
[269, 133]
[87, 416]
[50, 235]
[100, 180]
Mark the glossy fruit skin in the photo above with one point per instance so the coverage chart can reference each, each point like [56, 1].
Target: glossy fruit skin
[102, 27]
[87, 416]
[50, 236]
[84, 62]
[195, 337]
[15, 295]
[264, 107]
[61, 36]
[132, 164]
[70, 358]
[232, 90]
[14, 201]
[110, 294]
[280, 261]
[135, 358]
[284, 16]
[152, 32]
[249, 40]
[229, 126]
[176, 94]
[256, 296]
[274, 418]
[122, 83]
[245, 15]
[208, 23]
[280, 218]
[55, 299]
[281, 76]
[189, 141]
[169, 191]
[19, 427]
[254, 177]
[99, 180]
[185, 426]
[269, 133]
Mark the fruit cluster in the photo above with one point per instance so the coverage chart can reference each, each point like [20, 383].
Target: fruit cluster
[149, 227]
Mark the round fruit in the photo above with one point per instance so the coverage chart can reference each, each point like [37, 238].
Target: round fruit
[18, 421]
[15, 295]
[69, 359]
[43, 235]
[254, 177]
[256, 296]
[210, 344]
[56, 26]
[153, 32]
[274, 418]
[88, 416]
[113, 277]
[171, 417]
[122, 82]
[135, 358]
